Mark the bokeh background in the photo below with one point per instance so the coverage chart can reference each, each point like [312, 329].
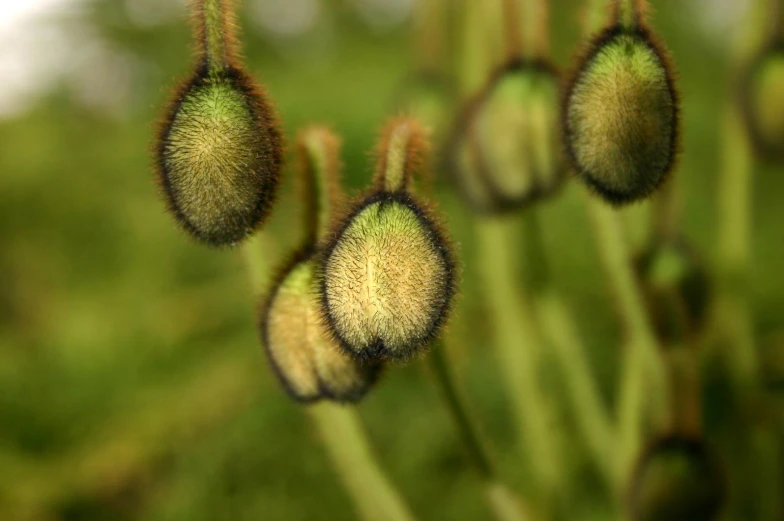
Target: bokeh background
[132, 383]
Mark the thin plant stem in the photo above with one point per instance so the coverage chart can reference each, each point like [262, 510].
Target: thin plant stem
[217, 40]
[628, 13]
[504, 503]
[561, 333]
[429, 34]
[535, 23]
[518, 348]
[346, 444]
[513, 35]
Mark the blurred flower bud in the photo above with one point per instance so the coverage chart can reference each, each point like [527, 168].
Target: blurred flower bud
[763, 102]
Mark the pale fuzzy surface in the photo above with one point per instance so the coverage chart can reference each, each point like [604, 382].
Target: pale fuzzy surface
[519, 135]
[304, 353]
[385, 280]
[215, 160]
[621, 117]
[769, 100]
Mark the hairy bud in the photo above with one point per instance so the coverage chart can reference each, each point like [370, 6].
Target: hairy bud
[504, 151]
[677, 289]
[387, 276]
[306, 358]
[219, 149]
[620, 116]
[677, 479]
[763, 102]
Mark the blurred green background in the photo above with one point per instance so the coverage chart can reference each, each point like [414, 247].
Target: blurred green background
[132, 383]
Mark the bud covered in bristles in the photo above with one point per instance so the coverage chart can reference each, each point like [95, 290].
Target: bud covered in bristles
[218, 152]
[504, 150]
[304, 354]
[387, 274]
[306, 358]
[677, 479]
[620, 117]
[677, 289]
[763, 102]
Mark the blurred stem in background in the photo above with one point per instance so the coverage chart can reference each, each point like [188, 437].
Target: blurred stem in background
[346, 444]
[642, 364]
[501, 500]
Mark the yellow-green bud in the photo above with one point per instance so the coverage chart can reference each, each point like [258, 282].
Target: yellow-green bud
[219, 150]
[306, 357]
[387, 278]
[505, 149]
[620, 116]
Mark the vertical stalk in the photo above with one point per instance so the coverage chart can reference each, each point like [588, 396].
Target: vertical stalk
[429, 32]
[562, 336]
[217, 39]
[518, 348]
[504, 504]
[628, 13]
[374, 497]
[535, 28]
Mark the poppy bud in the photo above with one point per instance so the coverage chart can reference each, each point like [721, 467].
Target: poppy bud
[218, 152]
[387, 277]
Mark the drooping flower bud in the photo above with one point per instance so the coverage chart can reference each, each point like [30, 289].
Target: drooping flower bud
[504, 151]
[763, 102]
[620, 116]
[387, 277]
[218, 152]
[304, 354]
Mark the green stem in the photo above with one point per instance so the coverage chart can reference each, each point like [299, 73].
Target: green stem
[319, 148]
[518, 347]
[735, 199]
[535, 21]
[216, 34]
[561, 333]
[646, 364]
[429, 37]
[504, 503]
[347, 447]
[628, 13]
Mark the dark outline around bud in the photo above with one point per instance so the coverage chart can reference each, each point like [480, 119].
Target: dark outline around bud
[385, 198]
[584, 60]
[223, 71]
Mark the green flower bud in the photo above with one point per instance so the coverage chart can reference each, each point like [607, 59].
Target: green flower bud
[620, 116]
[763, 100]
[505, 149]
[677, 479]
[677, 290]
[306, 358]
[219, 150]
[387, 277]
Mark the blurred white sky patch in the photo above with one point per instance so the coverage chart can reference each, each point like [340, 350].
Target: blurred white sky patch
[718, 18]
[384, 14]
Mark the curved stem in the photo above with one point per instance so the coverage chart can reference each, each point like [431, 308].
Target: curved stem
[347, 447]
[429, 37]
[536, 34]
[518, 347]
[628, 13]
[513, 37]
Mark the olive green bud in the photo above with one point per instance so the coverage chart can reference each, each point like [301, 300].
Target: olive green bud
[505, 151]
[677, 289]
[218, 152]
[763, 102]
[305, 356]
[677, 479]
[620, 118]
[387, 274]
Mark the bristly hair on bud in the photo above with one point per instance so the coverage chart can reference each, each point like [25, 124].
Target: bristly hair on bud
[677, 478]
[218, 151]
[620, 116]
[306, 358]
[387, 274]
[503, 152]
